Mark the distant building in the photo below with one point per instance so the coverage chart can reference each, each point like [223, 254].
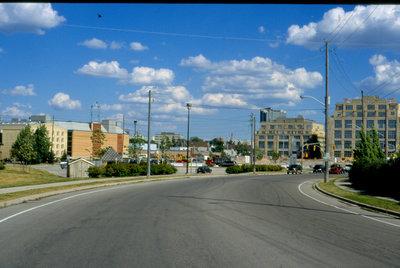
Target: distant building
[170, 135]
[287, 134]
[270, 115]
[346, 124]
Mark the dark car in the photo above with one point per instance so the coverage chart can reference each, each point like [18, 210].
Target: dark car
[318, 169]
[336, 169]
[294, 169]
[204, 169]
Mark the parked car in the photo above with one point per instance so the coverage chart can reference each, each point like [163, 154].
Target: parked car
[319, 169]
[294, 169]
[204, 169]
[336, 169]
[347, 168]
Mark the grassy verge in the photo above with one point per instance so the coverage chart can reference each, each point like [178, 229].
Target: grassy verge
[362, 198]
[13, 176]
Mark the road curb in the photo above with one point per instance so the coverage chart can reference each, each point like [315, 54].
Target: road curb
[386, 211]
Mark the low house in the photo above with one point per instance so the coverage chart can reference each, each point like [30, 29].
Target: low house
[79, 168]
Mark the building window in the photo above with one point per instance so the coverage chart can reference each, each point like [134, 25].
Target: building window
[283, 145]
[338, 134]
[359, 114]
[261, 137]
[358, 134]
[382, 107]
[370, 107]
[349, 107]
[280, 127]
[272, 126]
[349, 114]
[348, 123]
[391, 134]
[339, 107]
[297, 137]
[348, 134]
[359, 107]
[338, 123]
[338, 145]
[358, 123]
[370, 123]
[381, 134]
[58, 133]
[283, 137]
[62, 146]
[347, 144]
[337, 153]
[370, 114]
[392, 123]
[270, 145]
[270, 137]
[261, 145]
[347, 153]
[392, 146]
[290, 126]
[381, 114]
[300, 126]
[381, 123]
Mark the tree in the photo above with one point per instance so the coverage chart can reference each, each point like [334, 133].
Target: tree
[97, 138]
[136, 145]
[242, 149]
[196, 139]
[164, 146]
[311, 152]
[22, 149]
[218, 145]
[42, 145]
[64, 156]
[274, 155]
[259, 154]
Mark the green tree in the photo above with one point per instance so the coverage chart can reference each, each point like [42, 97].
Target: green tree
[136, 144]
[218, 145]
[22, 149]
[64, 156]
[196, 139]
[164, 146]
[242, 149]
[42, 145]
[97, 138]
[259, 154]
[274, 155]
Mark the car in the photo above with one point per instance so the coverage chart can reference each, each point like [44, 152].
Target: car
[336, 169]
[347, 168]
[294, 169]
[204, 169]
[319, 169]
[63, 164]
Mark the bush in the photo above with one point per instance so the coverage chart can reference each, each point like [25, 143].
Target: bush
[124, 169]
[2, 166]
[249, 168]
[95, 172]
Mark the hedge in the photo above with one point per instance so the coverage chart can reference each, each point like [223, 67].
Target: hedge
[249, 168]
[124, 170]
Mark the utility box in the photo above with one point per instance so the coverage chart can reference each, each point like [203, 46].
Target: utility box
[79, 168]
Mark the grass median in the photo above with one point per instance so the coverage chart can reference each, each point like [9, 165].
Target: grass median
[332, 188]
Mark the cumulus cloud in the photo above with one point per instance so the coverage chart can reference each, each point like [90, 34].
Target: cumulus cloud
[103, 69]
[255, 79]
[1, 50]
[375, 25]
[387, 74]
[138, 46]
[116, 45]
[62, 101]
[15, 112]
[261, 29]
[28, 17]
[94, 43]
[21, 91]
[113, 107]
[147, 76]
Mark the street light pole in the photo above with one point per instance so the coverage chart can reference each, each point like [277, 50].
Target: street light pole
[188, 105]
[148, 138]
[327, 155]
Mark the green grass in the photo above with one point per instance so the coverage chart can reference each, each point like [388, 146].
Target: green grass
[13, 176]
[362, 198]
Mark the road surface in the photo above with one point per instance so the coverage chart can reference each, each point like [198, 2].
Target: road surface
[229, 221]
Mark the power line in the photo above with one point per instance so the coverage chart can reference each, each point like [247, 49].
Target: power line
[344, 24]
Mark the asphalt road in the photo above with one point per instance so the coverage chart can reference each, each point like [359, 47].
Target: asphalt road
[229, 221]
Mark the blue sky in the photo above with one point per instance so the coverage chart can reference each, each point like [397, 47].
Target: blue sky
[227, 60]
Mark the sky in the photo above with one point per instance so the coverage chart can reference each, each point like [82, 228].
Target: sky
[227, 60]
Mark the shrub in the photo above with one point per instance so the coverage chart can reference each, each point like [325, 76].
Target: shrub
[2, 166]
[95, 172]
[249, 168]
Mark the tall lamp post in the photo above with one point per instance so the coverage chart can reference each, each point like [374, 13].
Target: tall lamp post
[188, 105]
[327, 156]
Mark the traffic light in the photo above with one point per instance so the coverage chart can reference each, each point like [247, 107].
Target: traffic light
[334, 147]
[314, 148]
[306, 146]
[306, 155]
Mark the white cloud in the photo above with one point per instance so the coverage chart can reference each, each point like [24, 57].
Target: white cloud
[104, 69]
[147, 76]
[116, 45]
[138, 46]
[261, 29]
[21, 91]
[374, 25]
[28, 17]
[21, 105]
[113, 107]
[1, 50]
[15, 112]
[94, 43]
[62, 101]
[220, 99]
[387, 74]
[253, 80]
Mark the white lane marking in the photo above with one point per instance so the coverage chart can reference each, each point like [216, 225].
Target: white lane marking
[53, 202]
[301, 191]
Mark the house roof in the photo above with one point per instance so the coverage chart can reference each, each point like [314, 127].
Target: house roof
[111, 155]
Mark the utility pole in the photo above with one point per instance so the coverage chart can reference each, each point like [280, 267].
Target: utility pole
[188, 105]
[135, 122]
[386, 133]
[362, 104]
[123, 136]
[327, 146]
[148, 137]
[52, 135]
[254, 139]
[251, 143]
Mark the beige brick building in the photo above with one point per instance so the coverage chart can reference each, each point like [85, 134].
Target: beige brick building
[284, 135]
[380, 114]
